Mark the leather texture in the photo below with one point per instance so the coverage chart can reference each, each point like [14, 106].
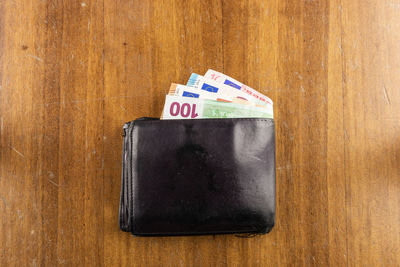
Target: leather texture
[202, 176]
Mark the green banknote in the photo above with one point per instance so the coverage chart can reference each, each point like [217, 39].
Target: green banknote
[177, 107]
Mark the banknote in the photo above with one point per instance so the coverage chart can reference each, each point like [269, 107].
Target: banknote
[198, 81]
[177, 107]
[211, 86]
[194, 80]
[223, 91]
[231, 88]
[224, 79]
[187, 91]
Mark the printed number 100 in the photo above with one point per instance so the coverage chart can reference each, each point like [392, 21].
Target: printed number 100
[185, 110]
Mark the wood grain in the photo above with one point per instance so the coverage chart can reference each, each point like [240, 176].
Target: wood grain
[72, 72]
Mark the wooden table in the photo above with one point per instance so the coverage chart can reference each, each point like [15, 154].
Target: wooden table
[72, 72]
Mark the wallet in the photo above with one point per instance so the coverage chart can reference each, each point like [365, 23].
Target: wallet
[198, 176]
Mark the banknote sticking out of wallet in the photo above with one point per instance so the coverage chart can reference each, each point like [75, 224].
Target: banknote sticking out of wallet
[207, 166]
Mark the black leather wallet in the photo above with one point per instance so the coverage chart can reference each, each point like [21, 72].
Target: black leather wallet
[201, 176]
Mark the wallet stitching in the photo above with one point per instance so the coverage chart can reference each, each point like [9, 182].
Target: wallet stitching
[129, 217]
[131, 193]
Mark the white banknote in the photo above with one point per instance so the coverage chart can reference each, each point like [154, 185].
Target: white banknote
[225, 91]
[187, 91]
[224, 79]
